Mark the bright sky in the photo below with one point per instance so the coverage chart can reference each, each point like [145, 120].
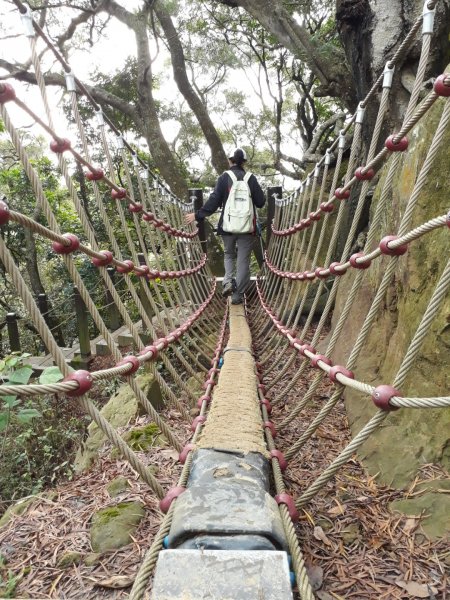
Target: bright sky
[108, 54]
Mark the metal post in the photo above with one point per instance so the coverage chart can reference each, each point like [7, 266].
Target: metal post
[13, 332]
[272, 193]
[82, 316]
[196, 196]
[43, 307]
[114, 320]
[142, 295]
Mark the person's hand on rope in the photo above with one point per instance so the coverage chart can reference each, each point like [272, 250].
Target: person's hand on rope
[189, 218]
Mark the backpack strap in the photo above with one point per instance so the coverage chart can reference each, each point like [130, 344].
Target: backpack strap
[232, 176]
[247, 176]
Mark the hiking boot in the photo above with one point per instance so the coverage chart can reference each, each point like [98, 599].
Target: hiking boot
[227, 289]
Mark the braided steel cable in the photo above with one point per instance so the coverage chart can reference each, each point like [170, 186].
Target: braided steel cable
[433, 307]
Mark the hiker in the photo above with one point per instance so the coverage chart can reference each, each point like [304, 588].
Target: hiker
[236, 193]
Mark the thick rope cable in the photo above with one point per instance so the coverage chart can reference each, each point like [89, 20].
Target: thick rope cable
[433, 307]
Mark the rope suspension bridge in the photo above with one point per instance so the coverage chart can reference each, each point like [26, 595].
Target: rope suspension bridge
[230, 520]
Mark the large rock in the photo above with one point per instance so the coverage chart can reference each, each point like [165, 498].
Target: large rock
[433, 505]
[418, 436]
[122, 408]
[113, 527]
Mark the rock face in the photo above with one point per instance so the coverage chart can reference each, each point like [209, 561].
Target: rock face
[113, 527]
[433, 503]
[122, 408]
[418, 436]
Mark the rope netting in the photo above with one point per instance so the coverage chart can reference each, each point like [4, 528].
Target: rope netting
[162, 271]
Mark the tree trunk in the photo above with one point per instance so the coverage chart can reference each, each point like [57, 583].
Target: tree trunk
[36, 283]
[146, 107]
[327, 63]
[371, 32]
[218, 156]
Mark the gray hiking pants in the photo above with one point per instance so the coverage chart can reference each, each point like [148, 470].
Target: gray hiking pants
[238, 248]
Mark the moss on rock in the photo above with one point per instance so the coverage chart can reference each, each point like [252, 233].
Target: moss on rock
[113, 527]
[68, 559]
[143, 438]
[194, 386]
[17, 509]
[122, 408]
[117, 486]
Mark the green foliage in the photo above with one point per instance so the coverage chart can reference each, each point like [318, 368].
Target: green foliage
[14, 370]
[8, 581]
[37, 436]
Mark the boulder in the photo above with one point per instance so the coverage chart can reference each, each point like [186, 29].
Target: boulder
[433, 503]
[122, 408]
[117, 486]
[113, 527]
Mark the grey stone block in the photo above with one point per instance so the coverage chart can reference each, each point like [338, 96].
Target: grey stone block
[221, 575]
[101, 348]
[227, 505]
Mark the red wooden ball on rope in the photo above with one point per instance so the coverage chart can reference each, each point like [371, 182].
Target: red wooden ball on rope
[341, 194]
[84, 380]
[127, 267]
[381, 396]
[130, 360]
[7, 93]
[102, 262]
[364, 175]
[59, 146]
[385, 249]
[94, 175]
[333, 271]
[356, 265]
[4, 212]
[171, 495]
[60, 248]
[440, 87]
[326, 208]
[399, 146]
[119, 194]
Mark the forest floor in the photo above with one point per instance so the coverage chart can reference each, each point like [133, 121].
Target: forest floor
[354, 547]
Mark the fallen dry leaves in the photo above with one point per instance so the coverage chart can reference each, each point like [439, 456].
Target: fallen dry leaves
[354, 547]
[364, 551]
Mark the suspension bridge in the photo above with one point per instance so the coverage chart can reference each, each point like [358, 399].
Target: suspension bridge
[230, 520]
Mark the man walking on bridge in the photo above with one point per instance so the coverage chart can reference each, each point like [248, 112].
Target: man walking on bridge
[237, 193]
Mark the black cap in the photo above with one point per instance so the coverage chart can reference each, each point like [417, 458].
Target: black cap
[239, 156]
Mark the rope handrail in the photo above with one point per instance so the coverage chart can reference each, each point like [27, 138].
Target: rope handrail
[366, 172]
[25, 10]
[340, 374]
[129, 364]
[62, 144]
[102, 258]
[388, 245]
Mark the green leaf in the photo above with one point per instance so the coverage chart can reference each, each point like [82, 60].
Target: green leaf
[21, 376]
[27, 414]
[2, 365]
[11, 401]
[51, 375]
[4, 419]
[12, 361]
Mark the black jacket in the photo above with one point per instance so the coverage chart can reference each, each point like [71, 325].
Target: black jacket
[219, 196]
